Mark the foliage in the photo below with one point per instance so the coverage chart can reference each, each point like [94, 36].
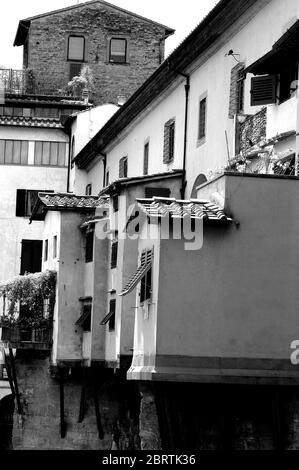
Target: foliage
[84, 80]
[29, 291]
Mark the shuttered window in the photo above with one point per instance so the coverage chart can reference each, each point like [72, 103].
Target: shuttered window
[50, 154]
[114, 249]
[111, 323]
[202, 119]
[263, 90]
[75, 70]
[76, 46]
[118, 50]
[145, 158]
[146, 286]
[123, 167]
[13, 152]
[236, 97]
[169, 135]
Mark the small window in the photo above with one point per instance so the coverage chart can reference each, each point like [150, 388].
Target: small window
[169, 134]
[202, 118]
[88, 190]
[75, 70]
[111, 324]
[118, 50]
[46, 250]
[76, 46]
[55, 246]
[89, 238]
[123, 167]
[115, 202]
[107, 178]
[146, 286]
[84, 321]
[25, 201]
[114, 249]
[145, 158]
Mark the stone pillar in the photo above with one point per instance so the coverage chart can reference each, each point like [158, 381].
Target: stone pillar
[149, 426]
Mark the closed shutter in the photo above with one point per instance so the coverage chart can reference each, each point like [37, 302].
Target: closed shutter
[145, 159]
[20, 203]
[263, 90]
[168, 149]
[75, 70]
[114, 248]
[236, 90]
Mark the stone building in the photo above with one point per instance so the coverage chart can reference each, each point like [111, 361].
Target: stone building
[121, 48]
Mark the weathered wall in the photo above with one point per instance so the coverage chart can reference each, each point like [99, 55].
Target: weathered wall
[39, 427]
[48, 49]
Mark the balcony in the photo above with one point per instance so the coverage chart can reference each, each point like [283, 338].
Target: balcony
[19, 337]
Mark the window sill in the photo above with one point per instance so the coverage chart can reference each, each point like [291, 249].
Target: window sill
[117, 63]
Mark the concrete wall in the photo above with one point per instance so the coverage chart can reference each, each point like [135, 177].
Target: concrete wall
[47, 49]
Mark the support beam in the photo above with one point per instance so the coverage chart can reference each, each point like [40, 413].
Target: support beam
[9, 374]
[83, 393]
[97, 409]
[62, 420]
[14, 378]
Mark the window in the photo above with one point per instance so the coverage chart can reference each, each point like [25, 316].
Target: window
[75, 70]
[84, 321]
[13, 152]
[158, 192]
[146, 286]
[50, 154]
[31, 256]
[145, 158]
[25, 201]
[236, 98]
[202, 118]
[107, 178]
[288, 82]
[114, 248]
[123, 167]
[46, 250]
[76, 46]
[118, 50]
[169, 133]
[55, 246]
[111, 324]
[263, 90]
[115, 202]
[89, 238]
[88, 190]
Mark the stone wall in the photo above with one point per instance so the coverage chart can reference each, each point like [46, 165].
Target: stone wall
[253, 130]
[47, 46]
[39, 425]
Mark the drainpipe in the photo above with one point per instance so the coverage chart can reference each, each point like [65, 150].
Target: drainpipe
[187, 89]
[104, 168]
[69, 165]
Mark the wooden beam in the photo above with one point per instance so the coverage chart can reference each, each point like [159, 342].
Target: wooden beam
[61, 390]
[9, 375]
[97, 409]
[14, 378]
[83, 393]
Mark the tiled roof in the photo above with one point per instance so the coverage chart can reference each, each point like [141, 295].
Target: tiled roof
[71, 201]
[175, 208]
[30, 122]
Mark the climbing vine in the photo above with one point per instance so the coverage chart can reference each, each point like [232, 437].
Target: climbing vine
[33, 294]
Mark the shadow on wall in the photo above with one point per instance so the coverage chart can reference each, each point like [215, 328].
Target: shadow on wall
[6, 422]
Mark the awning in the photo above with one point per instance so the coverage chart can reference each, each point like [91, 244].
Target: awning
[283, 52]
[85, 315]
[107, 317]
[146, 263]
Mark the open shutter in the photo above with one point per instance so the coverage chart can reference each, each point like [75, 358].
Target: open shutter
[263, 90]
[21, 200]
[235, 85]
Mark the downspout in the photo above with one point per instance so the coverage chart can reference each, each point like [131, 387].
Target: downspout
[104, 168]
[187, 89]
[69, 165]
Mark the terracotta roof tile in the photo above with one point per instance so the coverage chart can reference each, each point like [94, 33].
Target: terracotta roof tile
[71, 201]
[175, 208]
[30, 122]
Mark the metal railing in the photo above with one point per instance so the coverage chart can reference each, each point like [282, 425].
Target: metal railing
[20, 337]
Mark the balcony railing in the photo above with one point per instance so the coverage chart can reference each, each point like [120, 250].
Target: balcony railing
[27, 338]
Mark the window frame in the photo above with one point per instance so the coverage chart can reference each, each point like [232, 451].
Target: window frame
[118, 38]
[201, 137]
[111, 322]
[89, 245]
[46, 250]
[68, 48]
[114, 254]
[146, 286]
[169, 141]
[123, 167]
[55, 246]
[146, 148]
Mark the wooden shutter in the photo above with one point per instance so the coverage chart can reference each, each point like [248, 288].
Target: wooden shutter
[20, 203]
[75, 70]
[263, 90]
[235, 90]
[145, 159]
[114, 248]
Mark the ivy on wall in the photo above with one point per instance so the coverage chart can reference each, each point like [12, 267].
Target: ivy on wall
[33, 294]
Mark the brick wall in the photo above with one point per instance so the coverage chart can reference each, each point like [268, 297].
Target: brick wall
[47, 47]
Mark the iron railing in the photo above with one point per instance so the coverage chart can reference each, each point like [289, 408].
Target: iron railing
[26, 337]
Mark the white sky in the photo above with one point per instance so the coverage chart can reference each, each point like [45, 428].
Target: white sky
[180, 15]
